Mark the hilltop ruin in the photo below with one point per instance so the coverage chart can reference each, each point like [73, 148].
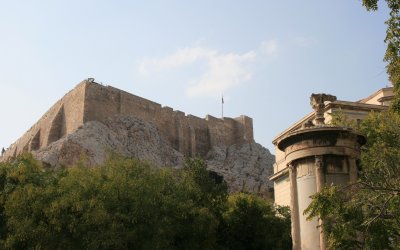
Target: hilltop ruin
[90, 101]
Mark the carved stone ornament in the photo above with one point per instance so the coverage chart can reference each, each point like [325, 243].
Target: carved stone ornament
[317, 102]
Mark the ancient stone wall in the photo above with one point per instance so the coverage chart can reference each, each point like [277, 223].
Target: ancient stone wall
[189, 134]
[65, 116]
[90, 101]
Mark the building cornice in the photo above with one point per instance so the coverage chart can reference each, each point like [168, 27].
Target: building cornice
[375, 94]
[331, 105]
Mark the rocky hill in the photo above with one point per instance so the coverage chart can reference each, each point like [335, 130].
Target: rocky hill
[245, 167]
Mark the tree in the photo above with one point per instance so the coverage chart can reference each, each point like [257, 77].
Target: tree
[123, 204]
[252, 223]
[392, 55]
[366, 215]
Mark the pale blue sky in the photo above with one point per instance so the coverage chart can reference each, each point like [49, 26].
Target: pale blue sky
[267, 57]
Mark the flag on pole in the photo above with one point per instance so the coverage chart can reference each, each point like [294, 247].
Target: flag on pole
[222, 105]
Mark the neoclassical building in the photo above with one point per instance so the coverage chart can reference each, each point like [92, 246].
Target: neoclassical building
[311, 153]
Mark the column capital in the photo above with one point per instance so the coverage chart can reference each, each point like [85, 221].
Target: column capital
[319, 161]
[291, 166]
[317, 102]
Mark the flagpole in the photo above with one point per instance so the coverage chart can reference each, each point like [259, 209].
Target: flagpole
[222, 106]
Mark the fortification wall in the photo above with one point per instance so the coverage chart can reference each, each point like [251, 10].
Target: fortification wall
[189, 134]
[90, 101]
[65, 116]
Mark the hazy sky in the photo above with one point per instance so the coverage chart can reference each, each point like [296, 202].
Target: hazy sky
[266, 57]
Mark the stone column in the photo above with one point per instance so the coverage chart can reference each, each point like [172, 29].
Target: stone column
[320, 179]
[319, 172]
[294, 207]
[353, 171]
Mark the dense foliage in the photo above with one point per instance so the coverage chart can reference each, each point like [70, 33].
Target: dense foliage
[252, 223]
[366, 215]
[126, 204]
[392, 55]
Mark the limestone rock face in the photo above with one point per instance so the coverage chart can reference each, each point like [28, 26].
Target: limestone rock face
[245, 167]
[94, 141]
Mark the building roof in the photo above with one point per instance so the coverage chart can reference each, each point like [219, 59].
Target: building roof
[386, 92]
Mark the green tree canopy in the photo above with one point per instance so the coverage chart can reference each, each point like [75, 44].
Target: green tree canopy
[392, 55]
[126, 204]
[366, 215]
[251, 223]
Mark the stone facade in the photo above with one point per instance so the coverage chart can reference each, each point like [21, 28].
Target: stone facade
[90, 101]
[318, 156]
[311, 154]
[355, 111]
